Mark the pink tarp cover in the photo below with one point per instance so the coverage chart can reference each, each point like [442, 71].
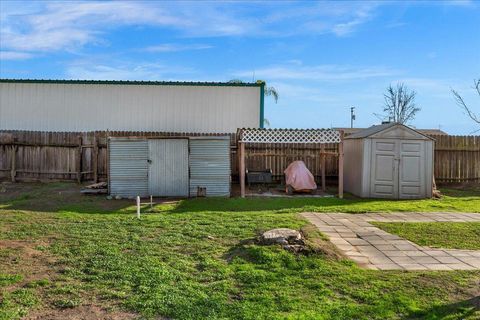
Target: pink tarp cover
[299, 177]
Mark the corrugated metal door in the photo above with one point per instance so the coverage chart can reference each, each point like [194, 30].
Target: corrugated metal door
[128, 167]
[168, 167]
[210, 166]
[412, 169]
[384, 169]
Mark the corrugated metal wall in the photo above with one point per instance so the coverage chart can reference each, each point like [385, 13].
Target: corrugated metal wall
[210, 166]
[89, 107]
[168, 167]
[128, 166]
[207, 159]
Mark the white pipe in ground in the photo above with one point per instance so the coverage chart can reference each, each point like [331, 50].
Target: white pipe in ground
[138, 207]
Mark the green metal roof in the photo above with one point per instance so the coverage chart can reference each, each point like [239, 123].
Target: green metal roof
[128, 82]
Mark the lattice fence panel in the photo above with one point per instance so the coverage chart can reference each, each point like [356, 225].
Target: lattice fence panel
[289, 136]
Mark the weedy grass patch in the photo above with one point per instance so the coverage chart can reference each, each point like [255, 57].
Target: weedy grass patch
[198, 259]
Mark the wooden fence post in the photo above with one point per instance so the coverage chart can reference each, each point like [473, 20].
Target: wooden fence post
[95, 158]
[13, 169]
[242, 169]
[323, 166]
[79, 160]
[340, 166]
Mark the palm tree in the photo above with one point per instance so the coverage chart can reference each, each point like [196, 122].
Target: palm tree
[268, 92]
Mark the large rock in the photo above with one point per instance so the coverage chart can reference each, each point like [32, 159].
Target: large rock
[281, 236]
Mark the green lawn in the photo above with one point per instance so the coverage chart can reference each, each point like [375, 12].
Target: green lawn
[452, 235]
[197, 259]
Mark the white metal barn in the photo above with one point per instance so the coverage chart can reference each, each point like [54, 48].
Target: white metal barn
[389, 161]
[83, 105]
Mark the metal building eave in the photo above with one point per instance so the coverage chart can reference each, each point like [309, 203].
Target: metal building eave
[134, 82]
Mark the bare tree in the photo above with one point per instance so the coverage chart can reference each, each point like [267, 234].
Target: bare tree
[474, 116]
[400, 104]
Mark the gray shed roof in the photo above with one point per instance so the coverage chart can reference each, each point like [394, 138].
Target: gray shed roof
[383, 127]
[428, 132]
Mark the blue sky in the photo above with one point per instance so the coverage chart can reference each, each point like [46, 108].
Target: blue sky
[322, 57]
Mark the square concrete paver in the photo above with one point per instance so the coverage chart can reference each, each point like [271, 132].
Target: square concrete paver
[425, 260]
[412, 266]
[388, 266]
[394, 253]
[376, 249]
[403, 260]
[448, 259]
[437, 266]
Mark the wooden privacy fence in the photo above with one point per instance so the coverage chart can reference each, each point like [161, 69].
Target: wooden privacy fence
[77, 156]
[457, 159]
[80, 156]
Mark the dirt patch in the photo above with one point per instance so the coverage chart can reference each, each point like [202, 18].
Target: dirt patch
[84, 312]
[55, 197]
[28, 261]
[25, 258]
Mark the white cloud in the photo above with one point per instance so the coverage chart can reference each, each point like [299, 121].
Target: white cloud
[92, 70]
[437, 88]
[460, 3]
[68, 25]
[339, 18]
[60, 26]
[318, 72]
[295, 92]
[15, 55]
[171, 47]
[360, 16]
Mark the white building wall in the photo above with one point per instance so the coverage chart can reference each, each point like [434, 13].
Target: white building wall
[429, 155]
[353, 166]
[128, 107]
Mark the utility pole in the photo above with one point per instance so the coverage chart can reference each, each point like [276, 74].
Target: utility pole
[352, 116]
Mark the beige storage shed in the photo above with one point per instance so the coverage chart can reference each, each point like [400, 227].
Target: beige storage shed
[390, 161]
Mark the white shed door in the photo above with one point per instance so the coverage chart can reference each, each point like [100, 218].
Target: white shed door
[398, 169]
[168, 167]
[412, 169]
[384, 173]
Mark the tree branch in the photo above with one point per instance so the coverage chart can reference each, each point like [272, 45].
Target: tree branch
[463, 105]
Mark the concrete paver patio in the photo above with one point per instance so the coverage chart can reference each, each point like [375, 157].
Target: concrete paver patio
[376, 249]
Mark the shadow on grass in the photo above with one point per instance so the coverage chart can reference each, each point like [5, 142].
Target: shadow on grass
[57, 197]
[461, 192]
[264, 204]
[66, 197]
[459, 310]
